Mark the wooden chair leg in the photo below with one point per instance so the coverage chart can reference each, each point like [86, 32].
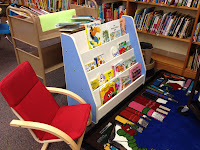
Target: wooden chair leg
[44, 146]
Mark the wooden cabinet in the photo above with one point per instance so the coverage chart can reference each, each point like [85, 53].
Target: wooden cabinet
[76, 54]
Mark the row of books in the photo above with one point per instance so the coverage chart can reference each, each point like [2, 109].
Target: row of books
[187, 3]
[98, 34]
[168, 24]
[196, 36]
[48, 5]
[110, 89]
[194, 59]
[111, 11]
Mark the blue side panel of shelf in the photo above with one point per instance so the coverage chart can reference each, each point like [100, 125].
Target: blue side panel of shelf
[75, 75]
[130, 28]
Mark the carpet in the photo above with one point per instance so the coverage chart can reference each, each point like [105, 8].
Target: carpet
[124, 127]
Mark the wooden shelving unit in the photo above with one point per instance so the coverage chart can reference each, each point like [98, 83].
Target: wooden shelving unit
[164, 5]
[164, 62]
[169, 37]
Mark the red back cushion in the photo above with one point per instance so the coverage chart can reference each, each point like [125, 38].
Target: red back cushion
[25, 93]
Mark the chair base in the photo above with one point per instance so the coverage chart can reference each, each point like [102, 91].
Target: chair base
[44, 146]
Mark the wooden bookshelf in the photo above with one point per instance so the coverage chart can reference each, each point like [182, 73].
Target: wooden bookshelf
[167, 63]
[164, 5]
[163, 62]
[197, 43]
[164, 36]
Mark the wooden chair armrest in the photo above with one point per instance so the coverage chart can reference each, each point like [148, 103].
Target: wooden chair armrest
[66, 92]
[47, 128]
[71, 94]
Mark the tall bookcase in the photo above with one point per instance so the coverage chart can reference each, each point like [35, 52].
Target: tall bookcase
[170, 53]
[76, 54]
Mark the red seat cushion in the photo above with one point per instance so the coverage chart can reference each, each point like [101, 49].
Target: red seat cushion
[71, 119]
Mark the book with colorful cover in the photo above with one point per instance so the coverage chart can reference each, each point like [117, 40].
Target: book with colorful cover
[109, 75]
[125, 81]
[114, 29]
[90, 66]
[107, 92]
[135, 72]
[117, 85]
[105, 33]
[95, 84]
[130, 62]
[99, 60]
[118, 68]
[93, 32]
[124, 46]
[122, 26]
[101, 78]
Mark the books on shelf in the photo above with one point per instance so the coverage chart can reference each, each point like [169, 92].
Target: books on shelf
[160, 23]
[186, 3]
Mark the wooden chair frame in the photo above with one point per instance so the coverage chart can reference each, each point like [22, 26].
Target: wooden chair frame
[50, 129]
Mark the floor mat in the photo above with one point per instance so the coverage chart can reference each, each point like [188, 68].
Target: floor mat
[140, 122]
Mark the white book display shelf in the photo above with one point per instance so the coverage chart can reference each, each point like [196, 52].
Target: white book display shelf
[76, 54]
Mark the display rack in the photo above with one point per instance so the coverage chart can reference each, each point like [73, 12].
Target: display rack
[76, 54]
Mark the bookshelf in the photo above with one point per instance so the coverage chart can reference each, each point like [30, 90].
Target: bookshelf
[167, 60]
[76, 54]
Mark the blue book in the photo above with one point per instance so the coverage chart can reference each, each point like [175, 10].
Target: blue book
[142, 18]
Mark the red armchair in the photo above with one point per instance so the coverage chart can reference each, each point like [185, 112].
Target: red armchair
[38, 111]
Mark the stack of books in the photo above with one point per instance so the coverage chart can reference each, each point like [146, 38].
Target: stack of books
[160, 23]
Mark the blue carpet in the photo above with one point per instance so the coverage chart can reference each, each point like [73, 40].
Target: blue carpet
[176, 132]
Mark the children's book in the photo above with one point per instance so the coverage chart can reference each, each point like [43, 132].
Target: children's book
[124, 46]
[130, 62]
[90, 66]
[122, 26]
[93, 32]
[109, 75]
[95, 84]
[117, 68]
[99, 60]
[105, 33]
[107, 92]
[125, 81]
[114, 51]
[101, 78]
[114, 29]
[117, 85]
[135, 72]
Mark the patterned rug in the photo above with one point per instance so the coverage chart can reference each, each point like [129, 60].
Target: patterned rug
[148, 119]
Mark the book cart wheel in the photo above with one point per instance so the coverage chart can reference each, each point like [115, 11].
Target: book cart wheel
[183, 110]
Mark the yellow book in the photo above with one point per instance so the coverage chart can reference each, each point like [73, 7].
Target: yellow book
[95, 84]
[107, 92]
[109, 75]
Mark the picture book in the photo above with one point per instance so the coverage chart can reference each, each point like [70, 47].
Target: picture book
[93, 32]
[99, 60]
[135, 72]
[124, 46]
[105, 33]
[117, 68]
[107, 92]
[122, 26]
[117, 82]
[90, 66]
[95, 84]
[114, 51]
[114, 29]
[125, 81]
[109, 75]
[101, 78]
[130, 62]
